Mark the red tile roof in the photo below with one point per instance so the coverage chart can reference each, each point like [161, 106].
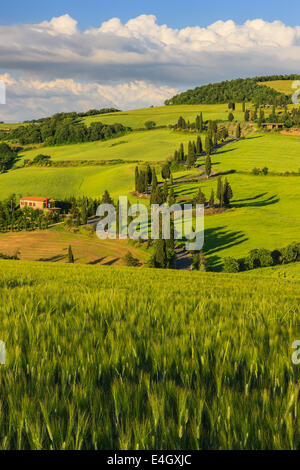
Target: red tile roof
[39, 199]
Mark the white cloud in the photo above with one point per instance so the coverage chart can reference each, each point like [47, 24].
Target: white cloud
[118, 57]
[35, 98]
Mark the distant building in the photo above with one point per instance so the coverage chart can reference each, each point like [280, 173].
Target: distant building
[272, 125]
[39, 203]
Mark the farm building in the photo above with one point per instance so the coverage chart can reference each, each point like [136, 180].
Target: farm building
[272, 125]
[39, 203]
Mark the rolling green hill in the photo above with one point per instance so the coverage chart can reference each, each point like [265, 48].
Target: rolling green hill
[165, 115]
[255, 90]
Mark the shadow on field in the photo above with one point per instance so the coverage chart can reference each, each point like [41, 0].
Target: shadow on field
[265, 202]
[97, 261]
[54, 258]
[218, 238]
[225, 151]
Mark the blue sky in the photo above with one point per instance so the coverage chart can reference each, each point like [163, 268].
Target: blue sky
[175, 13]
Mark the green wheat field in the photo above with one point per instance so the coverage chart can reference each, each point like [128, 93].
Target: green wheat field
[119, 358]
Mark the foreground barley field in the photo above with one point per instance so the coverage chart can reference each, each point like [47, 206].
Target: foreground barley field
[119, 358]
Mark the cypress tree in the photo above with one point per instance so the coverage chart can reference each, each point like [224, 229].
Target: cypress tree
[220, 191]
[238, 131]
[208, 166]
[208, 144]
[200, 197]
[70, 255]
[149, 174]
[199, 146]
[181, 152]
[201, 122]
[154, 180]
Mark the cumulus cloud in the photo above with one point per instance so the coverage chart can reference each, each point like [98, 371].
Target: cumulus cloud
[33, 98]
[141, 53]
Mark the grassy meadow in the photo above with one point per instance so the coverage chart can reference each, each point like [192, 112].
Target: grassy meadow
[148, 146]
[119, 358]
[165, 115]
[283, 86]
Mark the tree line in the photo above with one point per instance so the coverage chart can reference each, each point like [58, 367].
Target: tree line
[62, 130]
[262, 258]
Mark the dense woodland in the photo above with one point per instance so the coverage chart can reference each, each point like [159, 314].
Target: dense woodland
[238, 90]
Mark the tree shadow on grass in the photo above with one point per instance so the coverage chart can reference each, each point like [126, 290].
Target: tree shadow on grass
[53, 259]
[96, 261]
[255, 203]
[217, 239]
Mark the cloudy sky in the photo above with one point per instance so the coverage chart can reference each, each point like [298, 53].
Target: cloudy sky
[52, 60]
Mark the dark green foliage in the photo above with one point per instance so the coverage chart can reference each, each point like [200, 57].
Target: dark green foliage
[130, 260]
[165, 171]
[208, 166]
[199, 198]
[231, 265]
[230, 117]
[70, 255]
[154, 180]
[63, 128]
[239, 90]
[238, 131]
[7, 157]
[227, 193]
[150, 124]
[199, 148]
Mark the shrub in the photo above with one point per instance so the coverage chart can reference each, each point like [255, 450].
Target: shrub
[130, 260]
[231, 265]
[150, 124]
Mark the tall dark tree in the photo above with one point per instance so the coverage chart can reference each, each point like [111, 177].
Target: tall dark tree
[149, 174]
[154, 180]
[70, 255]
[199, 148]
[208, 166]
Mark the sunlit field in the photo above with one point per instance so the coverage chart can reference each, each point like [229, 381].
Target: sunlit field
[119, 358]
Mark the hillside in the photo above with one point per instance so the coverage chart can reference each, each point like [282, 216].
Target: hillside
[203, 358]
[255, 90]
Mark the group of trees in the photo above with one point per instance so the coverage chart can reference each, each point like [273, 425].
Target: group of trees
[261, 258]
[239, 90]
[63, 130]
[74, 115]
[258, 171]
[13, 218]
[197, 125]
[224, 194]
[7, 157]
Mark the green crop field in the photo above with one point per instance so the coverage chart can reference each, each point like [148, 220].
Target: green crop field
[119, 358]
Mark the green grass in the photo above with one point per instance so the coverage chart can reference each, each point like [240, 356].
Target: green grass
[65, 182]
[264, 214]
[283, 86]
[108, 358]
[156, 145]
[278, 152]
[165, 115]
